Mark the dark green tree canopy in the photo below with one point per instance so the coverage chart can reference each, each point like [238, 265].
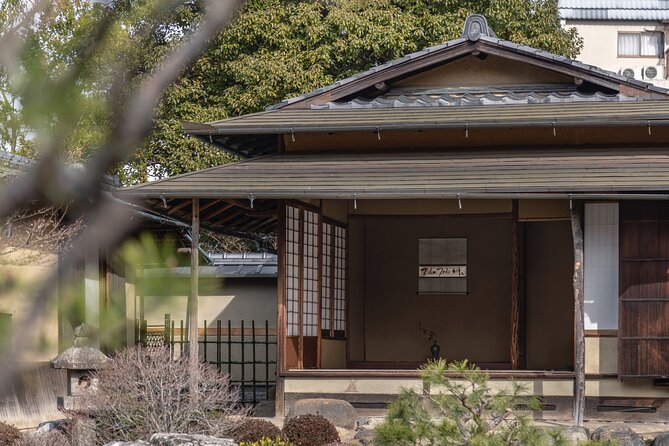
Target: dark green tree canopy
[282, 48]
[274, 50]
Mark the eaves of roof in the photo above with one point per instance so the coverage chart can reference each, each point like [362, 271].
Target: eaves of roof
[291, 121]
[551, 172]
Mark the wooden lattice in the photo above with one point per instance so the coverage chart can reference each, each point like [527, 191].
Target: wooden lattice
[292, 269]
[310, 272]
[326, 279]
[339, 272]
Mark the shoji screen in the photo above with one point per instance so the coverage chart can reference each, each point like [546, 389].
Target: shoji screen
[339, 273]
[333, 282]
[326, 280]
[292, 269]
[315, 283]
[310, 272]
[302, 285]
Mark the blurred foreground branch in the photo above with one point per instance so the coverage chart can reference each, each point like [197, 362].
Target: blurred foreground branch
[51, 180]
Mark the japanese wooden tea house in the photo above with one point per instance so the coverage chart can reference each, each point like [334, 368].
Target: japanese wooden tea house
[508, 203]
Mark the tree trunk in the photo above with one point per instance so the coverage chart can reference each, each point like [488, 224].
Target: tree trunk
[579, 335]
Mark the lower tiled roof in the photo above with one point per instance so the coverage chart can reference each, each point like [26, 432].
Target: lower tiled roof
[444, 174]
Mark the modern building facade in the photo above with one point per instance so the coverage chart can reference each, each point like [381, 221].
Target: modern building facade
[624, 36]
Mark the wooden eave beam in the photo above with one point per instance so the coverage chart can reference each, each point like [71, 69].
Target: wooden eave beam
[227, 218]
[268, 224]
[218, 211]
[261, 214]
[179, 206]
[240, 204]
[254, 225]
[208, 205]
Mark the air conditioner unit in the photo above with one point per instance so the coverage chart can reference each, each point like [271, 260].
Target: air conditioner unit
[652, 72]
[632, 72]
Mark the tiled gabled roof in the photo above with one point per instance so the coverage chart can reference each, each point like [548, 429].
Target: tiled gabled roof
[250, 136]
[493, 42]
[449, 98]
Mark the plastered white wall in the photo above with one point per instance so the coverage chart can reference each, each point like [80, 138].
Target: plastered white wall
[600, 45]
[601, 266]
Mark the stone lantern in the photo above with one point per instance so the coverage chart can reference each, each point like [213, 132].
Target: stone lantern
[79, 361]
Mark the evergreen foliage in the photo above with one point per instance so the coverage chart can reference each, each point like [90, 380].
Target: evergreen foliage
[463, 411]
[274, 50]
[278, 49]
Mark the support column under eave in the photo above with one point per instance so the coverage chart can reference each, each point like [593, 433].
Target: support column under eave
[515, 288]
[193, 295]
[579, 329]
[281, 322]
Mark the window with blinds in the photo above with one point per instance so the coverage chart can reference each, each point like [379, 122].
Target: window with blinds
[333, 283]
[643, 44]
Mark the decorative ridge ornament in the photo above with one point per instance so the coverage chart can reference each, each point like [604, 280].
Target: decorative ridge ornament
[476, 26]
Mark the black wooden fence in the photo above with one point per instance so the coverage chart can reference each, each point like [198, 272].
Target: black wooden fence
[246, 352]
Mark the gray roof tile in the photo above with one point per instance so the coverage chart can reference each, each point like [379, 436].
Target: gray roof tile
[450, 98]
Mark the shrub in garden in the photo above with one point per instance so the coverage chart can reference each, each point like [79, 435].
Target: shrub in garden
[466, 411]
[310, 430]
[143, 391]
[254, 430]
[267, 442]
[9, 435]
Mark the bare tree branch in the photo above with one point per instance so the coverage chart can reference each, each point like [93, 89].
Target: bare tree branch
[108, 223]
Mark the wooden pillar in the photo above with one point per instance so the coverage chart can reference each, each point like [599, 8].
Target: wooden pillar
[193, 356]
[300, 291]
[579, 330]
[515, 290]
[319, 290]
[130, 304]
[281, 319]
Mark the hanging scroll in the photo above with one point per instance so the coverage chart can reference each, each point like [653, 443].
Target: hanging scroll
[442, 265]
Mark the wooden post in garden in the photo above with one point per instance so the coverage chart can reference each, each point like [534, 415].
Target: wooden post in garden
[579, 331]
[193, 355]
